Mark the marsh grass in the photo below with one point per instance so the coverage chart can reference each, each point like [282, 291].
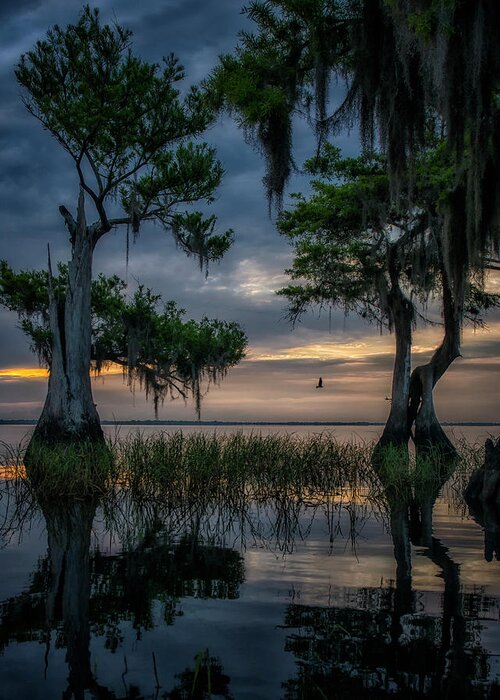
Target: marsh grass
[175, 467]
[400, 471]
[256, 462]
[260, 490]
[78, 469]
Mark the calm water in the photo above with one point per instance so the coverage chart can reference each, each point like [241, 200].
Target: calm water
[294, 596]
[15, 434]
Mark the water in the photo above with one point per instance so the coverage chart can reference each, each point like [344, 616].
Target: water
[293, 596]
[16, 434]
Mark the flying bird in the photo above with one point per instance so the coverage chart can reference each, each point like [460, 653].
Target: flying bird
[319, 385]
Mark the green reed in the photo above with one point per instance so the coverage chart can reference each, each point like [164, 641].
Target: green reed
[239, 461]
[209, 465]
[69, 469]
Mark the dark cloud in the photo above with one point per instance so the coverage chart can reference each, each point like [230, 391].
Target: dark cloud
[20, 8]
[14, 349]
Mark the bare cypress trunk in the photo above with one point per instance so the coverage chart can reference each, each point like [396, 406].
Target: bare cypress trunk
[400, 312]
[396, 429]
[69, 412]
[429, 435]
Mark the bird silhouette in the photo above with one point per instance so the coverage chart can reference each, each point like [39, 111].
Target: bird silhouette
[319, 385]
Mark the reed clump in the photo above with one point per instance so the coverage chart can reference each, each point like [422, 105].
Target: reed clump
[256, 462]
[82, 469]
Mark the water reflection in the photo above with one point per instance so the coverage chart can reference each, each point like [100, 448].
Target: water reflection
[388, 645]
[487, 516]
[171, 557]
[74, 595]
[68, 591]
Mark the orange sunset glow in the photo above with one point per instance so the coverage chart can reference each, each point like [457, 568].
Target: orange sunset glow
[24, 373]
[14, 373]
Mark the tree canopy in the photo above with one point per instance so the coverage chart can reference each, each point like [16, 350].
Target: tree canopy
[354, 248]
[420, 81]
[127, 129]
[348, 236]
[150, 340]
[408, 69]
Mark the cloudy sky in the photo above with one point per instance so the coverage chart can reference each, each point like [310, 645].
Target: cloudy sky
[277, 380]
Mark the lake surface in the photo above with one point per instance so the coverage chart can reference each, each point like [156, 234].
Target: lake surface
[17, 434]
[324, 595]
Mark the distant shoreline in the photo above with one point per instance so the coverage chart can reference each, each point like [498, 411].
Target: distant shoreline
[216, 423]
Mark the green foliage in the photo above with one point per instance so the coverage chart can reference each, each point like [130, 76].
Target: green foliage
[349, 237]
[195, 234]
[126, 126]
[270, 75]
[134, 138]
[169, 356]
[150, 340]
[350, 243]
[434, 17]
[96, 97]
[26, 293]
[329, 164]
[410, 70]
[478, 302]
[434, 175]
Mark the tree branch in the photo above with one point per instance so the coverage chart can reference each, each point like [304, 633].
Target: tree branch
[98, 200]
[118, 222]
[96, 172]
[112, 184]
[69, 221]
[171, 379]
[127, 220]
[47, 126]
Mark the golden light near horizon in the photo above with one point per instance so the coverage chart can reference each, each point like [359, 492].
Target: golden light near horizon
[355, 350]
[426, 340]
[276, 380]
[317, 351]
[24, 373]
[14, 373]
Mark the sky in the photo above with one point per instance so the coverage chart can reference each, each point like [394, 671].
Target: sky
[277, 379]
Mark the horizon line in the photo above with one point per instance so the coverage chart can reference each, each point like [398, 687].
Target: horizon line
[31, 421]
